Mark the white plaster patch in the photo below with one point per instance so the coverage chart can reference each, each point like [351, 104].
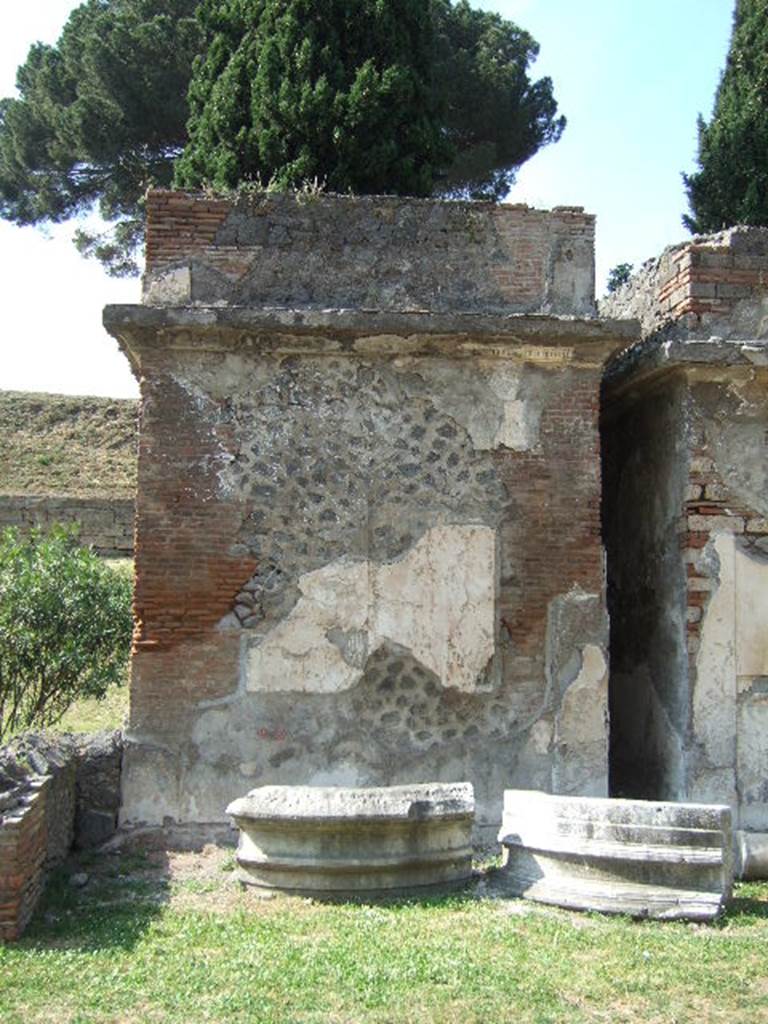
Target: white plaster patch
[751, 616]
[438, 601]
[714, 706]
[486, 403]
[581, 730]
[541, 736]
[583, 710]
[168, 287]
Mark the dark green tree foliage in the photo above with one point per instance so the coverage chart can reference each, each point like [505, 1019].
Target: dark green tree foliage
[392, 96]
[409, 96]
[296, 90]
[618, 276]
[65, 627]
[495, 117]
[100, 116]
[731, 186]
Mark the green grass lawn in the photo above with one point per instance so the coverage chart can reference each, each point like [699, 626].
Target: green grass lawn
[145, 943]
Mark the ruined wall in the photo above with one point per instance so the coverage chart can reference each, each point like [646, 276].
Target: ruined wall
[299, 252]
[713, 285]
[368, 542]
[727, 535]
[710, 346]
[105, 524]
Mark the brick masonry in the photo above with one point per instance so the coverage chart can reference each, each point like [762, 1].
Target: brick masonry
[55, 791]
[23, 852]
[698, 285]
[686, 515]
[362, 252]
[334, 390]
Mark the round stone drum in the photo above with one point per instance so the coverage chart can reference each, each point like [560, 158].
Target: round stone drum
[318, 839]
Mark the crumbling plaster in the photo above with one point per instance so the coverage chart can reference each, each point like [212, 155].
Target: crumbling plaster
[706, 584]
[368, 545]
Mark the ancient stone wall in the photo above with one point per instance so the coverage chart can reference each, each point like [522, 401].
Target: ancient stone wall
[368, 541]
[105, 524]
[708, 590]
[711, 285]
[367, 252]
[55, 791]
[23, 849]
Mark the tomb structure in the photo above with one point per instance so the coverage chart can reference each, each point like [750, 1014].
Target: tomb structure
[368, 547]
[686, 518]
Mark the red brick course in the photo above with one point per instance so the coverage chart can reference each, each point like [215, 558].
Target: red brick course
[710, 279]
[23, 849]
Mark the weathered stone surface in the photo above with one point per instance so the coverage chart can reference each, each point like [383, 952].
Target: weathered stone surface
[383, 252]
[686, 507]
[99, 766]
[644, 858]
[369, 515]
[338, 840]
[437, 601]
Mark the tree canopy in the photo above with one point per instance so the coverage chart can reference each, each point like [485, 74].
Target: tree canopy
[731, 186]
[396, 96]
[99, 117]
[393, 96]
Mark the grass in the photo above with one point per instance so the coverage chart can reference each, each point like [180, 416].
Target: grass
[91, 715]
[138, 946]
[57, 444]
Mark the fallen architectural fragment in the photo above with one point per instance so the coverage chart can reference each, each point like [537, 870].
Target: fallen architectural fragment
[336, 840]
[368, 514]
[643, 858]
[686, 525]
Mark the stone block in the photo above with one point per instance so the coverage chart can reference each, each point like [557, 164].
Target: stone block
[643, 858]
[335, 840]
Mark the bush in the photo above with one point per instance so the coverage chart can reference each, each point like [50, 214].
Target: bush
[619, 276]
[65, 627]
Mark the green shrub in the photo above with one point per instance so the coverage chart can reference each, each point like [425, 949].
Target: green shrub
[65, 627]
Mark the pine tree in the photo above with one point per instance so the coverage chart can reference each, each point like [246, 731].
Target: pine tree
[412, 97]
[99, 117]
[294, 90]
[731, 186]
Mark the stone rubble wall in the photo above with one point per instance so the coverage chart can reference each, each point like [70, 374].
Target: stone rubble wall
[715, 284]
[344, 573]
[690, 698]
[105, 524]
[325, 251]
[55, 792]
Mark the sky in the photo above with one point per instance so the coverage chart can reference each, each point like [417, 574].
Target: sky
[631, 76]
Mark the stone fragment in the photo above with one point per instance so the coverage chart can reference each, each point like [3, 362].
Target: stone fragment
[637, 857]
[335, 840]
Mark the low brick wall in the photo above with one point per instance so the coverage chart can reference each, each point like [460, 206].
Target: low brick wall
[707, 283]
[380, 252]
[55, 792]
[106, 524]
[23, 851]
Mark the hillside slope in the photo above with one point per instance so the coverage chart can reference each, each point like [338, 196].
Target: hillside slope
[60, 444]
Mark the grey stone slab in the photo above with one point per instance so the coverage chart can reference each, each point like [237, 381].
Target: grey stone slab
[643, 858]
[336, 840]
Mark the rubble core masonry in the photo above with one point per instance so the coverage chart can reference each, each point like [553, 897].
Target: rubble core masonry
[368, 512]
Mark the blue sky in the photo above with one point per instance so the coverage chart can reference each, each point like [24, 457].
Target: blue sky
[630, 76]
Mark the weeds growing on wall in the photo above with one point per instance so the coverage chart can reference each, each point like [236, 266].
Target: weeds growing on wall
[65, 627]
